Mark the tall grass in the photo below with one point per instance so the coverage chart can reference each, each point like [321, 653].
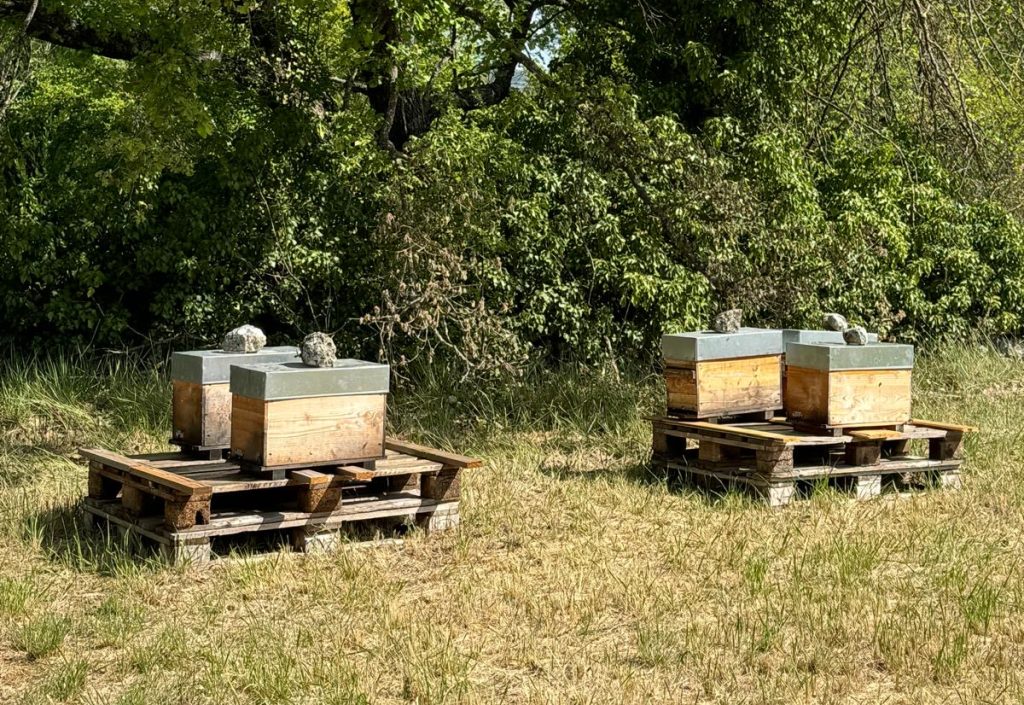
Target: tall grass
[576, 576]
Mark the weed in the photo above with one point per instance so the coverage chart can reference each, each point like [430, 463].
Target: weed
[42, 636]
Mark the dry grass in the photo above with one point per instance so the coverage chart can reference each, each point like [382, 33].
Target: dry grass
[576, 576]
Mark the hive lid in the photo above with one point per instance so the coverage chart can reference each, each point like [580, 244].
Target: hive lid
[708, 345]
[294, 380]
[831, 357]
[803, 335]
[214, 366]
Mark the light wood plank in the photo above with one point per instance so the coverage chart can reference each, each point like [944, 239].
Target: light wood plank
[452, 460]
[944, 426]
[310, 477]
[140, 469]
[354, 472]
[875, 434]
[740, 431]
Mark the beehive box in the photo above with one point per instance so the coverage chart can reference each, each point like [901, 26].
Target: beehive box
[723, 374]
[804, 335]
[201, 399]
[291, 415]
[835, 386]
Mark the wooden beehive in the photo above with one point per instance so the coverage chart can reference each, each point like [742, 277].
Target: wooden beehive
[803, 335]
[201, 398]
[723, 374]
[837, 386]
[291, 415]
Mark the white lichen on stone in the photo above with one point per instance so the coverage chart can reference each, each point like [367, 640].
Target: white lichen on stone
[728, 321]
[317, 350]
[244, 339]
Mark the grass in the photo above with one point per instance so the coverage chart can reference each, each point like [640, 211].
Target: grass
[577, 574]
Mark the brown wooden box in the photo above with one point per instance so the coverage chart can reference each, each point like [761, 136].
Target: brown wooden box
[848, 397]
[291, 415]
[201, 396]
[710, 388]
[310, 431]
[201, 414]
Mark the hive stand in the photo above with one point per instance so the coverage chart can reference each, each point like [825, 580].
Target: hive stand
[771, 459]
[182, 503]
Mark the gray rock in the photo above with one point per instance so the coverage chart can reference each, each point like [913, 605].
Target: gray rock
[244, 339]
[728, 321]
[855, 336]
[318, 350]
[834, 321]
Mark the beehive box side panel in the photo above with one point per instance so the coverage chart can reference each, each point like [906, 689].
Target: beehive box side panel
[216, 414]
[807, 395]
[869, 397]
[739, 385]
[248, 428]
[324, 428]
[681, 384]
[187, 412]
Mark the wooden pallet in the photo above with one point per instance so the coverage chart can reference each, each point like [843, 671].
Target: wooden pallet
[307, 532]
[775, 458]
[178, 500]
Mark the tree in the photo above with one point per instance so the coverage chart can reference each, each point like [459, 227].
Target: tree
[410, 60]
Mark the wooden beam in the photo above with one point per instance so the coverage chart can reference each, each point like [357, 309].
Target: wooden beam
[875, 434]
[145, 471]
[944, 426]
[310, 477]
[739, 431]
[354, 472]
[451, 460]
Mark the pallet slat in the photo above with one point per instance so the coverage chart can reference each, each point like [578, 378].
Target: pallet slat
[138, 468]
[453, 460]
[944, 426]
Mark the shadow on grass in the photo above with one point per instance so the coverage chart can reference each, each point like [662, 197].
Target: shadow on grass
[68, 536]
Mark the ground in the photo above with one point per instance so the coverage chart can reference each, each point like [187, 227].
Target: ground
[577, 576]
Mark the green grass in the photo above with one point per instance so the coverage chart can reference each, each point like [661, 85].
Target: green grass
[41, 636]
[578, 575]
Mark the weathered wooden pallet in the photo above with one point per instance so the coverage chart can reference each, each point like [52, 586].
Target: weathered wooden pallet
[306, 531]
[773, 458]
[184, 492]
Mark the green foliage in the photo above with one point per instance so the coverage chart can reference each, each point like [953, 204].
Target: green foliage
[676, 159]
